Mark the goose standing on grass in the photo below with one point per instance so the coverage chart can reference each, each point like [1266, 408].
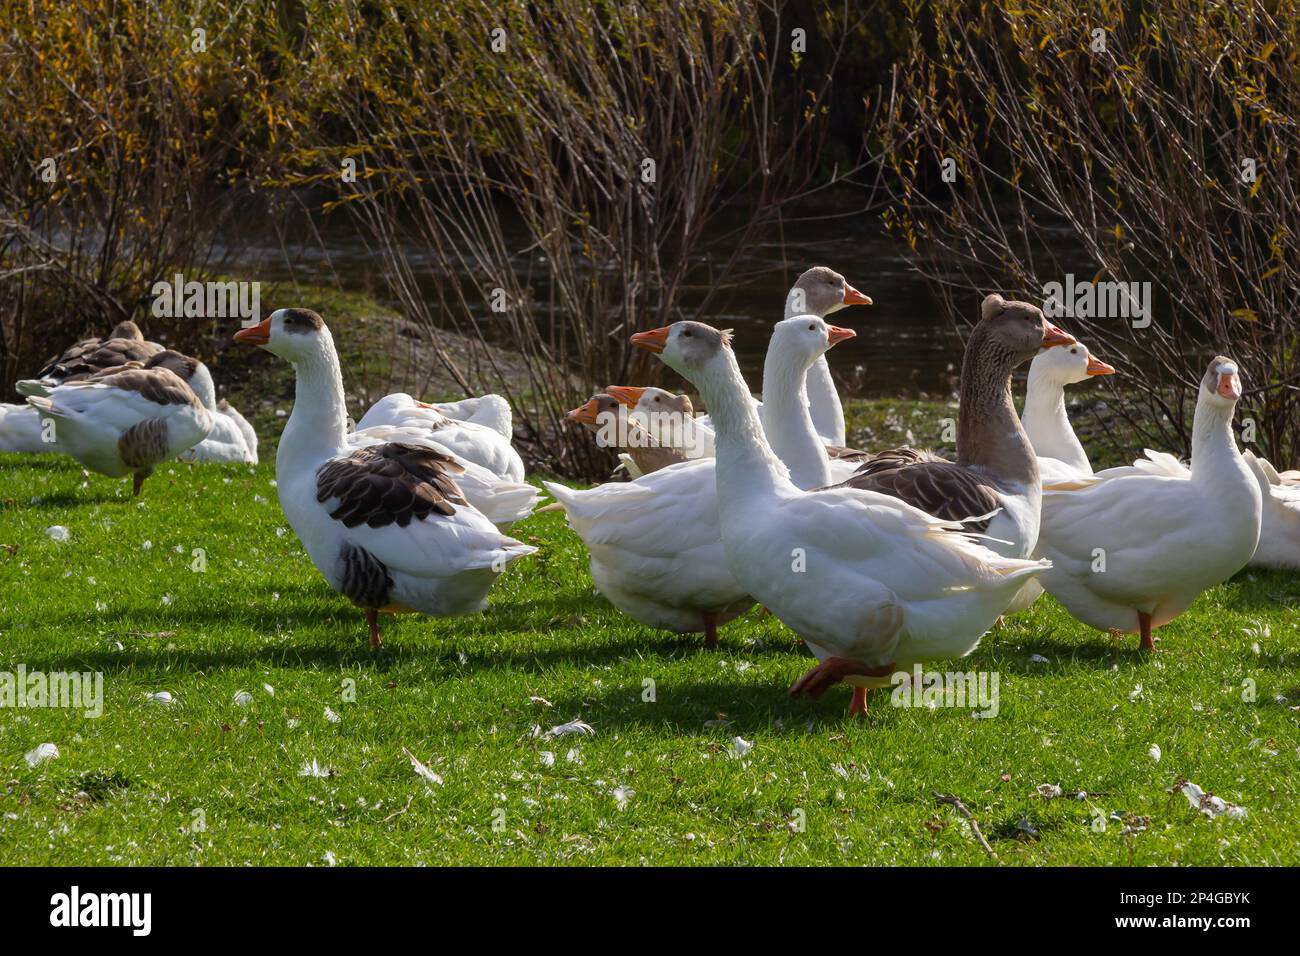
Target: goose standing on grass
[386, 525]
[996, 471]
[869, 582]
[126, 343]
[125, 420]
[479, 443]
[1131, 553]
[1060, 454]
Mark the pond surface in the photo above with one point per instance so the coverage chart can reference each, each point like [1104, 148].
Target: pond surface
[905, 345]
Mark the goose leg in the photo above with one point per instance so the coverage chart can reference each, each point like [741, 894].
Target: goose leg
[858, 705]
[137, 482]
[1144, 624]
[710, 630]
[833, 670]
[372, 618]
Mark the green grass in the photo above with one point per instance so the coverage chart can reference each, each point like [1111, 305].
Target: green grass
[459, 694]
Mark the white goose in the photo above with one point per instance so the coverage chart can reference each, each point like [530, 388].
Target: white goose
[481, 444]
[490, 410]
[1279, 526]
[869, 582]
[1163, 540]
[125, 420]
[1060, 454]
[386, 525]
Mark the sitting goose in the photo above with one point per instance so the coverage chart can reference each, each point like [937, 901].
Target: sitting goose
[125, 420]
[386, 525]
[481, 444]
[996, 471]
[490, 410]
[126, 343]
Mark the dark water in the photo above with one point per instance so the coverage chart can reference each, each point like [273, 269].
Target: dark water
[905, 344]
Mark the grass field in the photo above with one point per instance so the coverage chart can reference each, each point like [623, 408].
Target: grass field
[208, 780]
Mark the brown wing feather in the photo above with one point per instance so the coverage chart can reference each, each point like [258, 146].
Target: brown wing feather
[389, 483]
[924, 480]
[85, 359]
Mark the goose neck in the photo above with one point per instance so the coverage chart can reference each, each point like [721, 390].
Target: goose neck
[318, 424]
[989, 433]
[1046, 423]
[788, 423]
[746, 465]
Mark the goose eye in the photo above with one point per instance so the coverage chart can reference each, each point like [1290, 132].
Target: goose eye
[686, 333]
[812, 328]
[1074, 351]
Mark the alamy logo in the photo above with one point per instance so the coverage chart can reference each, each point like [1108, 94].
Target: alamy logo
[103, 909]
[1098, 300]
[977, 690]
[206, 300]
[74, 691]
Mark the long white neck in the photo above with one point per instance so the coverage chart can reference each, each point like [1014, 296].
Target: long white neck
[788, 423]
[748, 471]
[318, 425]
[1047, 424]
[1215, 456]
[823, 398]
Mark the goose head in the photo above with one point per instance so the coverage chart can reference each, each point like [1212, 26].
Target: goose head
[648, 401]
[1068, 364]
[820, 291]
[295, 335]
[1016, 331]
[1221, 384]
[800, 340]
[692, 349]
[127, 330]
[599, 408]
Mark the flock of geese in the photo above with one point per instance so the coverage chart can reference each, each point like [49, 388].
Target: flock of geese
[877, 560]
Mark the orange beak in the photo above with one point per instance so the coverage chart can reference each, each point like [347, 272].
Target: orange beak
[656, 340]
[585, 414]
[258, 334]
[837, 334]
[1054, 336]
[627, 395]
[1097, 367]
[853, 297]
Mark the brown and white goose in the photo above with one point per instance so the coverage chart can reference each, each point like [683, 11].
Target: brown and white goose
[386, 525]
[641, 453]
[125, 420]
[996, 471]
[126, 343]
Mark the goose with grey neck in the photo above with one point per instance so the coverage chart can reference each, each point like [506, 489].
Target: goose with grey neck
[871, 583]
[386, 525]
[641, 453]
[996, 471]
[1131, 553]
